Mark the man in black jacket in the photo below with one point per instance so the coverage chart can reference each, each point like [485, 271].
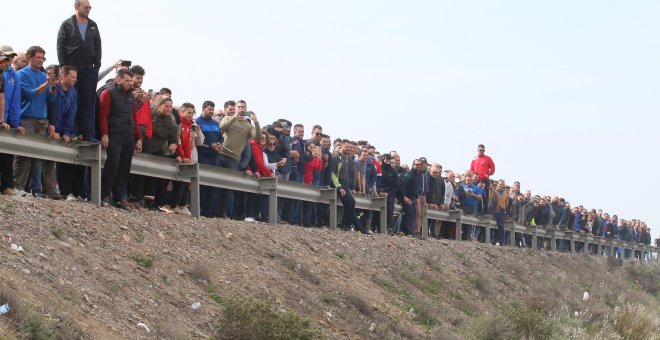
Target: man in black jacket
[79, 45]
[389, 188]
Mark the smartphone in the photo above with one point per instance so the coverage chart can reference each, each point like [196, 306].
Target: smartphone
[151, 93]
[126, 63]
[247, 113]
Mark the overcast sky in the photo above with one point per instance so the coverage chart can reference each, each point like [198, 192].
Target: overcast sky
[564, 94]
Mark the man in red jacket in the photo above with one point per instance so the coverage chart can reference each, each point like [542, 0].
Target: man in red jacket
[484, 166]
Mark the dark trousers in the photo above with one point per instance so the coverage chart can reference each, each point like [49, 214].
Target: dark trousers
[408, 224]
[6, 171]
[137, 182]
[257, 206]
[391, 197]
[179, 196]
[117, 165]
[208, 196]
[348, 201]
[86, 112]
[226, 196]
[70, 178]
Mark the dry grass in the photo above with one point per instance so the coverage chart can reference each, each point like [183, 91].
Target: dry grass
[360, 304]
[635, 323]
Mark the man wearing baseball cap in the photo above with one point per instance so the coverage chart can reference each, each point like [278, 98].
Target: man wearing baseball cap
[6, 160]
[12, 106]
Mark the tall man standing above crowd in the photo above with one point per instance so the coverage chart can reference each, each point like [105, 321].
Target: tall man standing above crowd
[79, 45]
[485, 167]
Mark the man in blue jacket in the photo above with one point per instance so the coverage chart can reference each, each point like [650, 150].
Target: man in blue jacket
[37, 91]
[63, 118]
[208, 154]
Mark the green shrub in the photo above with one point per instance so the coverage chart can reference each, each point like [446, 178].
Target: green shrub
[252, 318]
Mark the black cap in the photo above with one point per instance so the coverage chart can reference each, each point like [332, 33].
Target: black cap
[423, 160]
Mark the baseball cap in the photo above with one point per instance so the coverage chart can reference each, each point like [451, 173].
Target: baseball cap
[423, 160]
[8, 51]
[3, 57]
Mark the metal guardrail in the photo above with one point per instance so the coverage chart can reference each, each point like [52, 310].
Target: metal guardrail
[37, 146]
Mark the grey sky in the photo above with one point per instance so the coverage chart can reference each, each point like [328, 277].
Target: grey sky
[564, 94]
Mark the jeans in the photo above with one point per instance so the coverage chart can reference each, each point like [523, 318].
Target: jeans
[86, 111]
[226, 196]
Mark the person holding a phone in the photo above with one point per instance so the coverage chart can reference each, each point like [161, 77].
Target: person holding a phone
[236, 130]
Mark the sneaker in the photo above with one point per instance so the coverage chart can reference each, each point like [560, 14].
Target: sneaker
[182, 211]
[70, 198]
[92, 139]
[497, 244]
[120, 205]
[55, 197]
[105, 202]
[250, 219]
[367, 232]
[166, 208]
[38, 195]
[19, 192]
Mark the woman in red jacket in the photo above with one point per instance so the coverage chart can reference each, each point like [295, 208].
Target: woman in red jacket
[312, 176]
[184, 155]
[257, 205]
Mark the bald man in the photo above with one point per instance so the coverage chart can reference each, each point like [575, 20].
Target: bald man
[79, 45]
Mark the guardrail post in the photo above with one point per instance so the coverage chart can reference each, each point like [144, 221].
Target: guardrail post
[610, 243]
[597, 243]
[380, 203]
[571, 240]
[585, 247]
[330, 196]
[535, 238]
[269, 184]
[91, 155]
[425, 223]
[553, 238]
[191, 171]
[456, 215]
[487, 231]
[511, 225]
[657, 255]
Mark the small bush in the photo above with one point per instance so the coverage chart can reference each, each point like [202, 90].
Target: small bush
[57, 233]
[360, 304]
[634, 323]
[531, 320]
[252, 318]
[647, 277]
[340, 255]
[144, 261]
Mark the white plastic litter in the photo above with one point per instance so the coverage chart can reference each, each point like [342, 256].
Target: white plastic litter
[585, 296]
[143, 326]
[196, 305]
[4, 308]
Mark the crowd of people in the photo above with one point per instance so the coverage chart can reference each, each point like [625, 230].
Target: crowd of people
[64, 101]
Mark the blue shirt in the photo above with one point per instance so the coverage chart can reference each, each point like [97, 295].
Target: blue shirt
[66, 103]
[83, 30]
[33, 104]
[471, 201]
[12, 98]
[211, 130]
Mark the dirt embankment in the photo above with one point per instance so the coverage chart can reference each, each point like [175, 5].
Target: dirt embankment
[98, 273]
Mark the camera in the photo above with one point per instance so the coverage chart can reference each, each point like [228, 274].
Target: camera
[193, 127]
